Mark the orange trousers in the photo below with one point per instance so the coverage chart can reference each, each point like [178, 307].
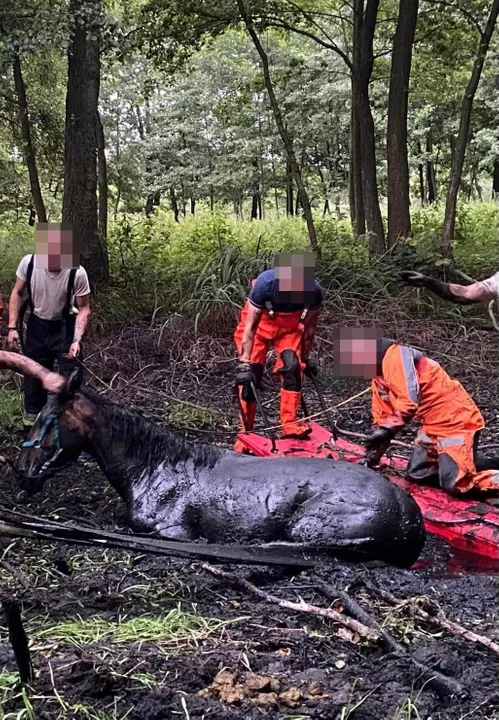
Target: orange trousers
[283, 332]
[451, 422]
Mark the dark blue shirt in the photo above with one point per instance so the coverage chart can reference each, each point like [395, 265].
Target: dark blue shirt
[266, 289]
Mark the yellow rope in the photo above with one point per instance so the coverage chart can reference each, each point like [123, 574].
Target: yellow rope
[318, 414]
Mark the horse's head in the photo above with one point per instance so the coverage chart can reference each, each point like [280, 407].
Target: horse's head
[60, 433]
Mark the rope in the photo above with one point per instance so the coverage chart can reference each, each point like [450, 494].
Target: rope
[318, 414]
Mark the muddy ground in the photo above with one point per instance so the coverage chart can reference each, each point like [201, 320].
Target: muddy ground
[114, 635]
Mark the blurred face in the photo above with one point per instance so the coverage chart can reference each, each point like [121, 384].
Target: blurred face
[295, 274]
[55, 247]
[356, 352]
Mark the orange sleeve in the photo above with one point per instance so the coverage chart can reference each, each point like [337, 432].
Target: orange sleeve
[399, 373]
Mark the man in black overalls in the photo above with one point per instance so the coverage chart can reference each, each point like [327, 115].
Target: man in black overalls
[58, 295]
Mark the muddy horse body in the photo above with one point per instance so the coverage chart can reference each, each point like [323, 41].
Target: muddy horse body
[184, 491]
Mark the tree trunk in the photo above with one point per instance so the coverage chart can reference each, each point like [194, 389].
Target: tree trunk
[290, 205]
[103, 187]
[495, 178]
[29, 151]
[173, 200]
[359, 216]
[357, 210]
[421, 184]
[463, 133]
[431, 180]
[281, 126]
[363, 71]
[193, 206]
[399, 217]
[79, 207]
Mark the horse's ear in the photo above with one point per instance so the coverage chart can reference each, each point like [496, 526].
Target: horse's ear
[73, 383]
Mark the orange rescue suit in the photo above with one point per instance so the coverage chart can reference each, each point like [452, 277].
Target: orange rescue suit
[412, 386]
[281, 331]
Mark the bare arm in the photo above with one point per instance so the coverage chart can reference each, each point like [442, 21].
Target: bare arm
[83, 305]
[16, 297]
[254, 315]
[478, 292]
[309, 332]
[52, 382]
[15, 301]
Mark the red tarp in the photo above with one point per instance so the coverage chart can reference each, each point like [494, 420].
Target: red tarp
[469, 525]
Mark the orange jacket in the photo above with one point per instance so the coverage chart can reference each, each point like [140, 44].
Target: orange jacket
[413, 387]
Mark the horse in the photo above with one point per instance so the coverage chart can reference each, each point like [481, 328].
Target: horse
[180, 490]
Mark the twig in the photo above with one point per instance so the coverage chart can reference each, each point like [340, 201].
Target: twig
[439, 682]
[302, 607]
[17, 574]
[363, 436]
[439, 620]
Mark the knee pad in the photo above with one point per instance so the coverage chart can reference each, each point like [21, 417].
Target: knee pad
[420, 466]
[291, 371]
[247, 393]
[448, 472]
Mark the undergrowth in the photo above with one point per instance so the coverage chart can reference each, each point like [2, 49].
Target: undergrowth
[203, 265]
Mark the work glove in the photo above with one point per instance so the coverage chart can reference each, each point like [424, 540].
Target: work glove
[311, 369]
[377, 444]
[245, 375]
[413, 278]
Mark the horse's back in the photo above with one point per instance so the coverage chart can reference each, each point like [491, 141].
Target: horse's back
[331, 501]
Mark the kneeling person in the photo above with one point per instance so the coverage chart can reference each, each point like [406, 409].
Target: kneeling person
[281, 312]
[407, 386]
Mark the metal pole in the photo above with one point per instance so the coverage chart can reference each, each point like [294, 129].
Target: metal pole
[324, 407]
[261, 410]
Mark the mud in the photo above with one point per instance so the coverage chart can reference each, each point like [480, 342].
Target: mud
[305, 670]
[298, 654]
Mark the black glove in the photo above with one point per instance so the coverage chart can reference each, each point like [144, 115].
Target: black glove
[413, 278]
[377, 444]
[311, 369]
[245, 375]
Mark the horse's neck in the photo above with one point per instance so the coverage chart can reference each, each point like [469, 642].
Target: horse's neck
[127, 450]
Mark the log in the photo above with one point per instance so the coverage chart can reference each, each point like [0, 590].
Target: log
[442, 684]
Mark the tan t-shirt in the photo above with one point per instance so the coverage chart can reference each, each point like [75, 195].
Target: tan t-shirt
[492, 284]
[49, 289]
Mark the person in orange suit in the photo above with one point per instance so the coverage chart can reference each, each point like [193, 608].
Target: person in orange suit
[407, 386]
[281, 312]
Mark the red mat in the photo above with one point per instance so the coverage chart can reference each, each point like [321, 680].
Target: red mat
[469, 525]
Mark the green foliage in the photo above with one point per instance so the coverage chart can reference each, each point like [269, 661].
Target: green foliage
[11, 408]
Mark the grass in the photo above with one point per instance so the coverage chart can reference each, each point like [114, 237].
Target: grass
[11, 409]
[177, 630]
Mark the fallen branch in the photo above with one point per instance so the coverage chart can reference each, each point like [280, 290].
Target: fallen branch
[363, 436]
[442, 684]
[438, 620]
[302, 607]
[17, 574]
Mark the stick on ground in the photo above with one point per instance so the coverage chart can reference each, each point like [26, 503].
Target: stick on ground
[18, 639]
[302, 607]
[442, 684]
[438, 620]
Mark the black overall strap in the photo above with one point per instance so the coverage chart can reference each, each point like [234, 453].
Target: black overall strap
[29, 276]
[69, 294]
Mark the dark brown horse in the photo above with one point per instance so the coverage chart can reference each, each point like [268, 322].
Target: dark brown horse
[184, 491]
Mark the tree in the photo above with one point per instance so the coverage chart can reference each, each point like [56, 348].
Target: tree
[463, 133]
[29, 151]
[399, 218]
[281, 126]
[81, 138]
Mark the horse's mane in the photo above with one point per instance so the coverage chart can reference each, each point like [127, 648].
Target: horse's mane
[145, 440]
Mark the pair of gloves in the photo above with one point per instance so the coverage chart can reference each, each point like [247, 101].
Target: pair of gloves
[246, 376]
[377, 444]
